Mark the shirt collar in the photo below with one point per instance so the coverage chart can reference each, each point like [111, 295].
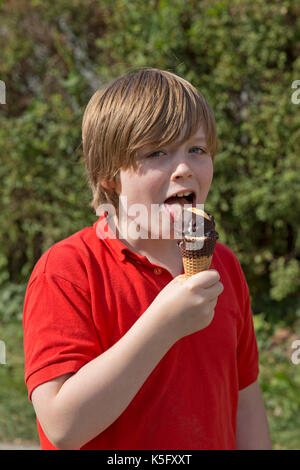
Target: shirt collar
[104, 232]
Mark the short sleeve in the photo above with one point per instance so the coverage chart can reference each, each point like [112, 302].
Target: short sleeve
[59, 332]
[247, 350]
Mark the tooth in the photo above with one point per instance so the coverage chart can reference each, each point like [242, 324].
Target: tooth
[184, 194]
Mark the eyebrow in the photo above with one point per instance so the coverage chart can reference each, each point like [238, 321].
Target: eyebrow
[198, 140]
[194, 140]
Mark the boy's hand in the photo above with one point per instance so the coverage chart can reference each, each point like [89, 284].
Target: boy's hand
[185, 307]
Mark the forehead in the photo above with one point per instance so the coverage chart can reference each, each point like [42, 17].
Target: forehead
[199, 136]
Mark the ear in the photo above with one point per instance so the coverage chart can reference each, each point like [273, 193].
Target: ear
[107, 184]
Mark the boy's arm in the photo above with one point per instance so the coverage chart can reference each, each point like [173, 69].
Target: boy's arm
[252, 425]
[74, 409]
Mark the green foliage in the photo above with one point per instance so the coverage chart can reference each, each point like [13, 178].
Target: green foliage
[285, 278]
[242, 55]
[279, 379]
[11, 302]
[17, 417]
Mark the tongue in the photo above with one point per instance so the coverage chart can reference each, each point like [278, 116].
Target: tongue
[174, 206]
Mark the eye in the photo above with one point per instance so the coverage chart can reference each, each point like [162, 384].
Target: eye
[200, 150]
[154, 154]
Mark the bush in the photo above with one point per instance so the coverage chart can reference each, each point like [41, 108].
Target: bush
[11, 302]
[243, 56]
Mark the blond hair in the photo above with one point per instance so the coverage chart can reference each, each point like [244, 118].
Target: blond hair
[144, 107]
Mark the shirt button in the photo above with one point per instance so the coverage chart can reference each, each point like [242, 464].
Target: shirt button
[157, 271]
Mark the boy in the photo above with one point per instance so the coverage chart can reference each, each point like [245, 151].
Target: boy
[119, 353]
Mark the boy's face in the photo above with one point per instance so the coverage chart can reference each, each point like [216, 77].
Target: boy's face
[161, 174]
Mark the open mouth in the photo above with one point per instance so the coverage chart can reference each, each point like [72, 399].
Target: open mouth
[182, 199]
[174, 205]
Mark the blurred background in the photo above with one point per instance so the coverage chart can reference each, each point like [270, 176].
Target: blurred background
[244, 56]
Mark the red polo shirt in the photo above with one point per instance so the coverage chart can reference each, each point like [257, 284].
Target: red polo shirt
[84, 294]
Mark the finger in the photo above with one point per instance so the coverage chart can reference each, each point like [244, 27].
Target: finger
[213, 303]
[210, 307]
[212, 293]
[207, 278]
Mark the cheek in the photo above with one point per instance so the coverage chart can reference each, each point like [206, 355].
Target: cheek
[128, 184]
[146, 185]
[207, 172]
[205, 179]
[137, 188]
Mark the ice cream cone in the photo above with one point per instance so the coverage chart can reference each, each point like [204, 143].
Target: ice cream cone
[197, 252]
[197, 260]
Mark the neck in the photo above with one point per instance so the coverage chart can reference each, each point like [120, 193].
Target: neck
[164, 252]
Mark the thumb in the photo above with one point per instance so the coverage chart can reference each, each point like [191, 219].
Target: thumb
[180, 278]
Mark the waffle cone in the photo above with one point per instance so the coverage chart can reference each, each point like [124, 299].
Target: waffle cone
[196, 265]
[195, 261]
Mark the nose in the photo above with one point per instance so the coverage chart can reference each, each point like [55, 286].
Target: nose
[181, 168]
